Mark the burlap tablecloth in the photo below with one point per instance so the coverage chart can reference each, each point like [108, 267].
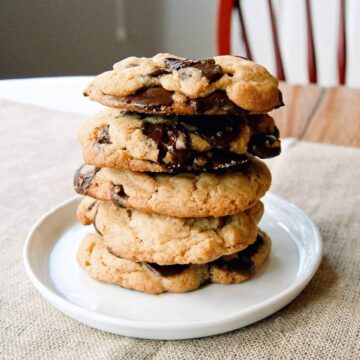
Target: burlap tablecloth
[39, 154]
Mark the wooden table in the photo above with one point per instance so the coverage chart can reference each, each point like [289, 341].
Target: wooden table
[326, 115]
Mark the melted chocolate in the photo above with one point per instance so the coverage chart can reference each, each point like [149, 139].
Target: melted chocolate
[174, 138]
[159, 72]
[104, 136]
[242, 262]
[82, 181]
[216, 160]
[217, 130]
[167, 270]
[276, 132]
[264, 145]
[152, 98]
[218, 100]
[170, 138]
[280, 101]
[208, 67]
[155, 99]
[118, 195]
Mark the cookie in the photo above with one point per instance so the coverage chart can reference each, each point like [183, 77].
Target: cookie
[179, 195]
[143, 237]
[94, 258]
[154, 143]
[168, 84]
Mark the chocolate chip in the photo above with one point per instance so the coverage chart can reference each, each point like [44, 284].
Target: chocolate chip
[242, 262]
[253, 248]
[218, 100]
[157, 99]
[166, 270]
[280, 101]
[104, 136]
[169, 138]
[152, 98]
[82, 181]
[159, 72]
[213, 161]
[208, 67]
[276, 132]
[264, 145]
[218, 130]
[118, 195]
[224, 161]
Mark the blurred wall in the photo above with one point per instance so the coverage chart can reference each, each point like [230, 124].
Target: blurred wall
[67, 37]
[71, 37]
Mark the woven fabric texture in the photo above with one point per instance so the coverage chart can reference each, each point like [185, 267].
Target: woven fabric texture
[39, 154]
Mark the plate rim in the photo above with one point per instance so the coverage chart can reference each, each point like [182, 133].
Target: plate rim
[276, 302]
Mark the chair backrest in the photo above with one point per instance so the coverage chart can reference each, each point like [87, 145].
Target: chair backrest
[224, 26]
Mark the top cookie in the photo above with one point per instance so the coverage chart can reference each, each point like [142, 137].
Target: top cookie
[168, 84]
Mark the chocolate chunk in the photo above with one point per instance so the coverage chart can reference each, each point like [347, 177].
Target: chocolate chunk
[253, 248]
[223, 161]
[241, 262]
[169, 138]
[218, 130]
[167, 270]
[155, 99]
[208, 67]
[118, 195]
[174, 138]
[264, 145]
[213, 161]
[218, 100]
[152, 98]
[104, 136]
[159, 72]
[82, 181]
[276, 132]
[280, 101]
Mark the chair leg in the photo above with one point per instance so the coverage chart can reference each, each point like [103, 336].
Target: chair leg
[224, 26]
[341, 55]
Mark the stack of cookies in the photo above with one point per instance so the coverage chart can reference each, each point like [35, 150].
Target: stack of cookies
[172, 180]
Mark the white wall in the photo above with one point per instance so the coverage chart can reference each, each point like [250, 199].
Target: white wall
[53, 37]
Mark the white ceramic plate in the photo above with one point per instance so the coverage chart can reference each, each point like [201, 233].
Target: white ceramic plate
[49, 257]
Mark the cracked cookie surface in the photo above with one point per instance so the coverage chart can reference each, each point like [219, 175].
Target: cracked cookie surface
[94, 258]
[138, 236]
[168, 144]
[168, 84]
[179, 195]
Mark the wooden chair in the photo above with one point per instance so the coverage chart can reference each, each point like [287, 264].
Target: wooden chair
[226, 8]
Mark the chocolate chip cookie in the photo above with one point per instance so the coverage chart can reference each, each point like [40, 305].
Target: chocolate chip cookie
[168, 144]
[180, 195]
[138, 236]
[168, 84]
[155, 279]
